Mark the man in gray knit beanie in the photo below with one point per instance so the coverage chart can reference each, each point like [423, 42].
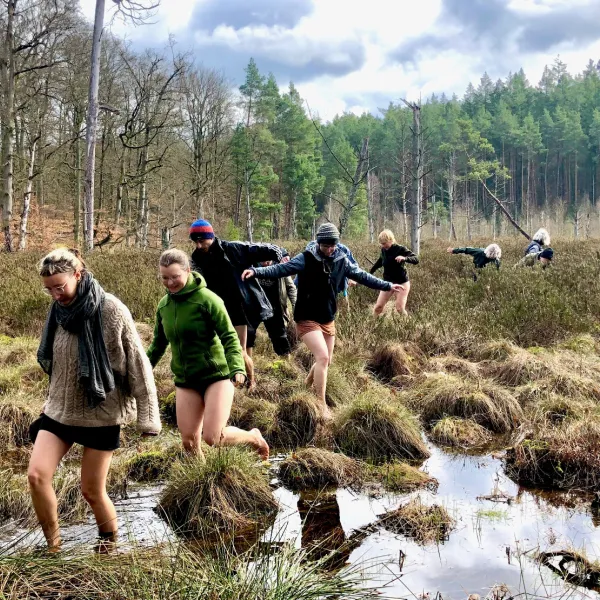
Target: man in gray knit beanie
[328, 234]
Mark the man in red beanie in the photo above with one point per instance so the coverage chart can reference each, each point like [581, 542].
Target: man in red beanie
[222, 264]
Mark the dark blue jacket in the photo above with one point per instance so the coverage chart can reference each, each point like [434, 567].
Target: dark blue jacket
[233, 258]
[533, 248]
[319, 279]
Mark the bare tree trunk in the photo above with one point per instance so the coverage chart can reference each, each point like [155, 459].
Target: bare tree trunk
[434, 216]
[451, 168]
[91, 124]
[249, 223]
[370, 206]
[120, 187]
[141, 235]
[417, 181]
[503, 209]
[293, 217]
[27, 197]
[8, 124]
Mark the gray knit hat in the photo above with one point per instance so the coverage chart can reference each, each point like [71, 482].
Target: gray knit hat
[328, 234]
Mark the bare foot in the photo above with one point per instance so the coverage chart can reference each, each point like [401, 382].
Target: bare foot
[251, 386]
[261, 445]
[326, 413]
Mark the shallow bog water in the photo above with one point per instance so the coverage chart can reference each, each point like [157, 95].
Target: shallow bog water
[493, 543]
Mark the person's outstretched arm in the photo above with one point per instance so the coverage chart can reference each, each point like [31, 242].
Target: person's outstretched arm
[159, 342]
[291, 267]
[355, 273]
[409, 256]
[377, 265]
[257, 253]
[217, 313]
[466, 250]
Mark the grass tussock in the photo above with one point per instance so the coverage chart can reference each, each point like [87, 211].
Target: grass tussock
[15, 419]
[249, 413]
[564, 456]
[453, 365]
[402, 477]
[168, 409]
[176, 571]
[488, 405]
[228, 492]
[422, 523]
[297, 420]
[314, 468]
[154, 464]
[460, 433]
[376, 427]
[390, 361]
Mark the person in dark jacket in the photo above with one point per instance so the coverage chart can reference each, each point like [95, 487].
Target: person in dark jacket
[481, 256]
[278, 292]
[542, 258]
[539, 241]
[206, 357]
[393, 259]
[222, 263]
[321, 274]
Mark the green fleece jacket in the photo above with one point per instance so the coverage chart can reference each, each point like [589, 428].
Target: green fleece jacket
[204, 344]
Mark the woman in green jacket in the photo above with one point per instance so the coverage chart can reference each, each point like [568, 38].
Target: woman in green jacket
[206, 357]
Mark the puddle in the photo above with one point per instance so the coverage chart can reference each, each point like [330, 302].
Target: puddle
[493, 543]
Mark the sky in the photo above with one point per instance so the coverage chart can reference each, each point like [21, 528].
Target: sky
[360, 55]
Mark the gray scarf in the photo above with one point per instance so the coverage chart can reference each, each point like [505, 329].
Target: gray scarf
[83, 317]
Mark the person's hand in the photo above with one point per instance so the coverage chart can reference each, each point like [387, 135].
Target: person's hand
[352, 283]
[449, 250]
[247, 274]
[285, 259]
[400, 258]
[396, 287]
[238, 380]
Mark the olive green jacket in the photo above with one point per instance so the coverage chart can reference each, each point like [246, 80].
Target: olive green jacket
[205, 346]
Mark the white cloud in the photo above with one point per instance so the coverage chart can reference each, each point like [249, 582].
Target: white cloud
[333, 30]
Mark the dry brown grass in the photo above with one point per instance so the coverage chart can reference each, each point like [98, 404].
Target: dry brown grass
[424, 524]
[226, 493]
[563, 456]
[16, 415]
[396, 360]
[461, 433]
[297, 420]
[316, 468]
[376, 427]
[402, 477]
[453, 365]
[488, 405]
[249, 412]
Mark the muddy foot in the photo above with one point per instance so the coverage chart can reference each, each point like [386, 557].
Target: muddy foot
[261, 445]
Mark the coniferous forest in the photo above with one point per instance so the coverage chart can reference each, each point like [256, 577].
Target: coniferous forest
[176, 140]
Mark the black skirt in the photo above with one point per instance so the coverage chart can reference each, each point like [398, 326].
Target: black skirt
[106, 438]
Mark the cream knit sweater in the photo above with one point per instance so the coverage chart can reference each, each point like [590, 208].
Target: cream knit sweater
[135, 388]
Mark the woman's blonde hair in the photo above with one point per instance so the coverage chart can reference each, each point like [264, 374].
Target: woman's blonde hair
[493, 251]
[174, 257]
[61, 260]
[387, 235]
[542, 237]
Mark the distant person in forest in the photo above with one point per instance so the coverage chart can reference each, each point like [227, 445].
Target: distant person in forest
[543, 259]
[393, 258]
[321, 273]
[279, 293]
[221, 263]
[100, 379]
[206, 358]
[481, 256]
[539, 241]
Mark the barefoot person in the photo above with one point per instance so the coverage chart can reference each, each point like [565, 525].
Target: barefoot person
[393, 259]
[481, 256]
[221, 264]
[543, 258]
[97, 366]
[320, 275]
[206, 357]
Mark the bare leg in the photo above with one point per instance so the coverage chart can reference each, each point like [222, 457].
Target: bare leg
[45, 458]
[242, 331]
[382, 300]
[310, 378]
[401, 298]
[94, 471]
[218, 400]
[190, 412]
[316, 343]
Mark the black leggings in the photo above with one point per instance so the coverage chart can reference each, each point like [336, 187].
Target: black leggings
[277, 331]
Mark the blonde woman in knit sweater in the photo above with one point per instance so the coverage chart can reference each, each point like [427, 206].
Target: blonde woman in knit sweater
[97, 366]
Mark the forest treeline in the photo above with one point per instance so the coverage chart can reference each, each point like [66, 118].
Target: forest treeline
[178, 140]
